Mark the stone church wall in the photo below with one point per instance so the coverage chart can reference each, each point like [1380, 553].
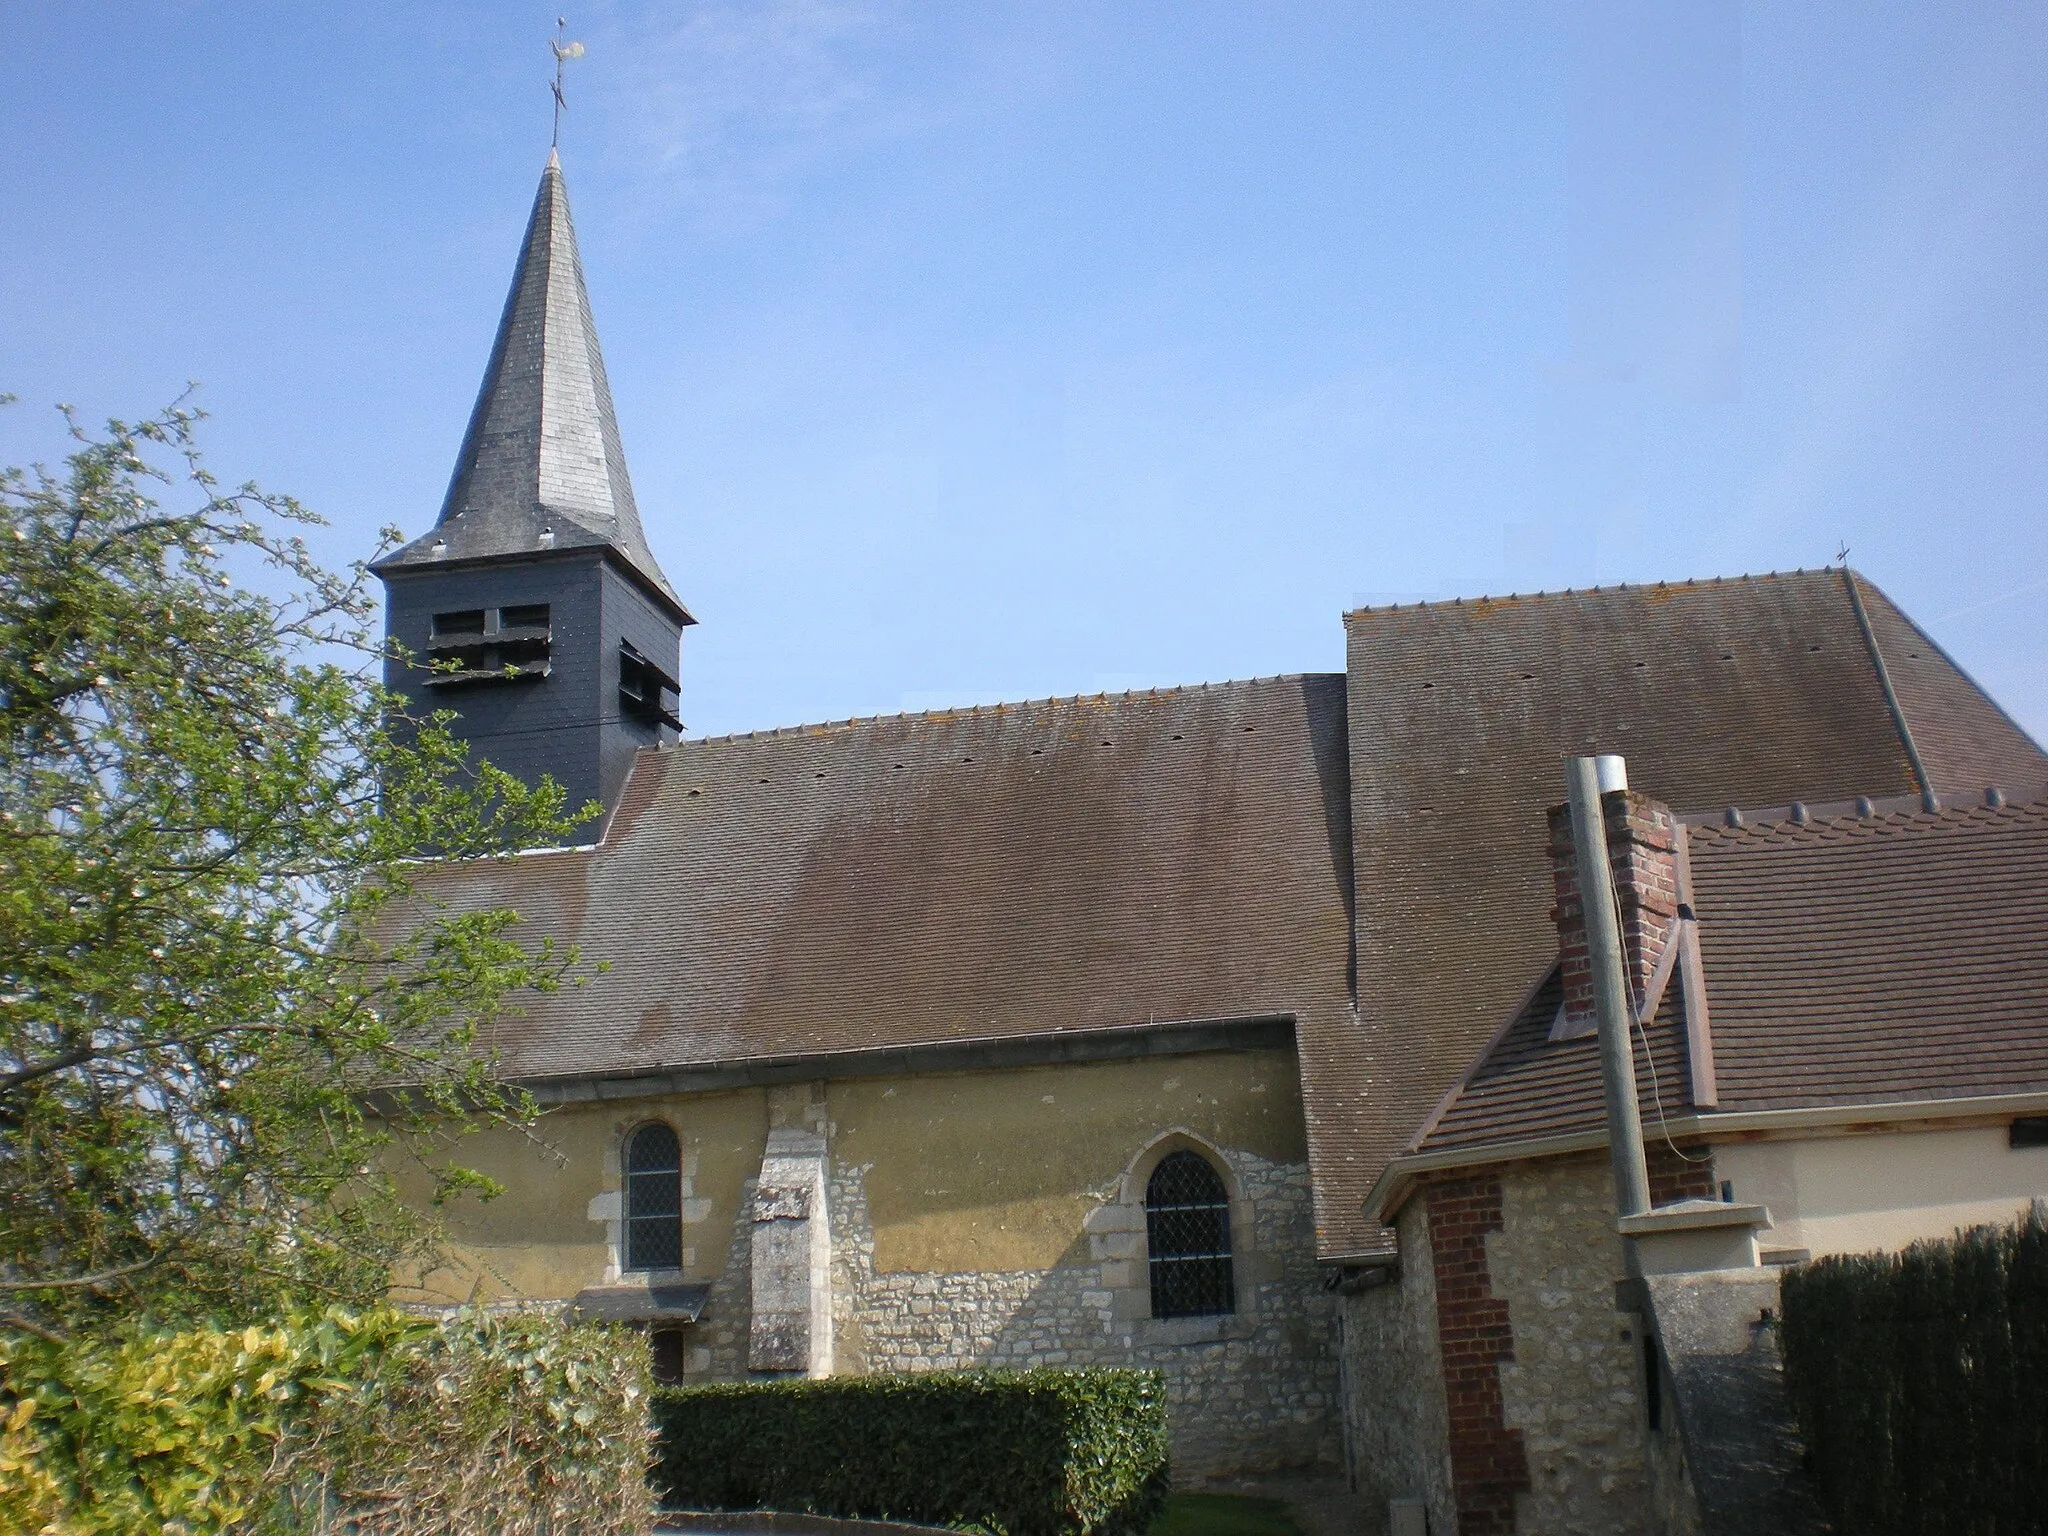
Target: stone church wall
[1393, 1381]
[989, 1218]
[1251, 1392]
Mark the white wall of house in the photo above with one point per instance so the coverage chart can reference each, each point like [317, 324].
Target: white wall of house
[1879, 1191]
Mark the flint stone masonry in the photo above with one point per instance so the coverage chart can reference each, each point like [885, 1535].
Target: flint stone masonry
[1518, 1406]
[1395, 1409]
[1251, 1392]
[1574, 1387]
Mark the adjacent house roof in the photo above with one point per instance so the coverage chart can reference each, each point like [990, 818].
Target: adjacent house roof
[1067, 865]
[1869, 959]
[1528, 1086]
[1753, 691]
[541, 469]
[1887, 956]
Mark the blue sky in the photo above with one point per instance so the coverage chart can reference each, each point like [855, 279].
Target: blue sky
[975, 351]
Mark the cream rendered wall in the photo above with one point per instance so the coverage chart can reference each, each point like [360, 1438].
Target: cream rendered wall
[1879, 1191]
[997, 1170]
[963, 1172]
[555, 1228]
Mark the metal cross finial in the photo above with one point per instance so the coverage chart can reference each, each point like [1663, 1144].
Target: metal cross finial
[1842, 555]
[564, 51]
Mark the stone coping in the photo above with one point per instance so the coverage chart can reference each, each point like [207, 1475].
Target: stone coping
[1693, 1216]
[774, 1522]
[641, 1303]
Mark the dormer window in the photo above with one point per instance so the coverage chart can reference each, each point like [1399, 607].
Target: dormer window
[646, 693]
[490, 645]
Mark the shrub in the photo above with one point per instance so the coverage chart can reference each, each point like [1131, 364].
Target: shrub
[381, 1425]
[171, 1431]
[1921, 1383]
[520, 1425]
[1025, 1453]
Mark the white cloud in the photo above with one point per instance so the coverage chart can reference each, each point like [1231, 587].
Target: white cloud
[730, 105]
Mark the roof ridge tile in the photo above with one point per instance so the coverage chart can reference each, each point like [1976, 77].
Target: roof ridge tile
[1886, 810]
[1662, 583]
[998, 707]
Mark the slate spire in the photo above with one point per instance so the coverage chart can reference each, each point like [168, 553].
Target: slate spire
[541, 467]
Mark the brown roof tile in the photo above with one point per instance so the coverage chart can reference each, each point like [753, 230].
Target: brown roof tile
[1756, 690]
[1894, 957]
[1967, 742]
[1188, 854]
[1062, 865]
[1529, 1086]
[1858, 960]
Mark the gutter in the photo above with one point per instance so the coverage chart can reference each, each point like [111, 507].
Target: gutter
[1393, 1187]
[1181, 1037]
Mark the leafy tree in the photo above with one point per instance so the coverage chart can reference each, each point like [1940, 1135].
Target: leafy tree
[210, 945]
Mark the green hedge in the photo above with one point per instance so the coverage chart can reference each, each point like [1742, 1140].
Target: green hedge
[380, 1424]
[1024, 1453]
[1921, 1384]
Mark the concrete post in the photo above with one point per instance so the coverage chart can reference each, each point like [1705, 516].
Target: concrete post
[1610, 987]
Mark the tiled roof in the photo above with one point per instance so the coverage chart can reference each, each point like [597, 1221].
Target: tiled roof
[1864, 959]
[1530, 1086]
[1892, 957]
[541, 468]
[1966, 740]
[1189, 854]
[1057, 866]
[1749, 691]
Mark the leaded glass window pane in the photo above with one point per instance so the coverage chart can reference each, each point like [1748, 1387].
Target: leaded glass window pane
[1187, 1231]
[654, 1199]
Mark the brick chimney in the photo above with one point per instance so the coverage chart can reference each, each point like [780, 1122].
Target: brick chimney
[1641, 853]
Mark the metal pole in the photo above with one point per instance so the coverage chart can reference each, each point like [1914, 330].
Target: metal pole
[1610, 987]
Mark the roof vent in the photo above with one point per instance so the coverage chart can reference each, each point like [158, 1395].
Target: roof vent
[1865, 806]
[440, 548]
[1611, 770]
[1798, 809]
[1731, 817]
[547, 538]
[1994, 797]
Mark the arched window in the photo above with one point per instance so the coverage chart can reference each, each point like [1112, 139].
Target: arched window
[1187, 1230]
[654, 1199]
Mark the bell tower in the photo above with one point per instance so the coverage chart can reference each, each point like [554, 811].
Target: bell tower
[533, 608]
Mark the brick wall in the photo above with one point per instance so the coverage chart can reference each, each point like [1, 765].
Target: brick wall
[1488, 1463]
[1684, 1174]
[1539, 1370]
[1641, 854]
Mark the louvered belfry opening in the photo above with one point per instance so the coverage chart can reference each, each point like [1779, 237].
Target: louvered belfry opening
[654, 1199]
[490, 645]
[1187, 1231]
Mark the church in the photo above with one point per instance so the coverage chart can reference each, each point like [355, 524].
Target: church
[1180, 1028]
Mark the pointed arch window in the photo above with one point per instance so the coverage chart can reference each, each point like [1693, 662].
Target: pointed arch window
[1187, 1234]
[654, 1199]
